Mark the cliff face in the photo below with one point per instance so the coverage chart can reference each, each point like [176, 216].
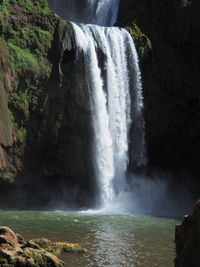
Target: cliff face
[170, 76]
[44, 130]
[24, 44]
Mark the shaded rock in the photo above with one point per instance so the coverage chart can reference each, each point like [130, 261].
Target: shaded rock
[187, 239]
[170, 81]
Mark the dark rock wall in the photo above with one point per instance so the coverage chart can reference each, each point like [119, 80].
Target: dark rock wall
[171, 82]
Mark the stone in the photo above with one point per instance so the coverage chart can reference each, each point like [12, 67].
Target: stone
[8, 239]
[69, 247]
[15, 251]
[187, 239]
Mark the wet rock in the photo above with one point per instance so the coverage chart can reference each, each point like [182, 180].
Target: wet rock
[187, 239]
[69, 247]
[57, 247]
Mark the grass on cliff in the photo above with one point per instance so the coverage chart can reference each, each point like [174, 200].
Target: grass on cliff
[143, 44]
[22, 59]
[25, 29]
[37, 6]
[26, 32]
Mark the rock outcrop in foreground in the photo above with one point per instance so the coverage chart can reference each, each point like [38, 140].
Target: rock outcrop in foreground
[15, 251]
[188, 240]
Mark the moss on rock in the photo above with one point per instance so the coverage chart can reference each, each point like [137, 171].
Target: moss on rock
[68, 247]
[15, 251]
[143, 44]
[26, 34]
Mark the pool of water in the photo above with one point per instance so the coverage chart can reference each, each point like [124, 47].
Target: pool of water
[112, 240]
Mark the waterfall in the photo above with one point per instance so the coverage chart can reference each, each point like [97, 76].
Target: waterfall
[100, 12]
[109, 76]
[113, 85]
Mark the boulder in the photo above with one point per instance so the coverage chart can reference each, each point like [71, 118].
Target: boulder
[8, 239]
[15, 251]
[187, 239]
[30, 257]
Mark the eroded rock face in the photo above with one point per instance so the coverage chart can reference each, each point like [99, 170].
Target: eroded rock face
[187, 240]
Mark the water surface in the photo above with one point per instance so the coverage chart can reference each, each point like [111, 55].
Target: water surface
[113, 241]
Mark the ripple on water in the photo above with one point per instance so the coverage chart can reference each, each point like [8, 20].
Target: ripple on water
[112, 240]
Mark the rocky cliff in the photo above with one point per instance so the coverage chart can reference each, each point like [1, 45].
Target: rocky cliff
[43, 130]
[171, 86]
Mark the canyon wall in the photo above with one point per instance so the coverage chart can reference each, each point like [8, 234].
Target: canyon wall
[171, 86]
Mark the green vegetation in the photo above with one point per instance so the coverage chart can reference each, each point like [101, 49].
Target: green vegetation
[143, 44]
[69, 247]
[21, 59]
[27, 42]
[8, 177]
[26, 33]
[58, 247]
[39, 7]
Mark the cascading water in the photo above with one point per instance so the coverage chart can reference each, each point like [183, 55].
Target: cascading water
[100, 12]
[111, 86]
[111, 79]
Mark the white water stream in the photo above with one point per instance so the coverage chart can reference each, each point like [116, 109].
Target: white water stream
[100, 12]
[112, 82]
[110, 97]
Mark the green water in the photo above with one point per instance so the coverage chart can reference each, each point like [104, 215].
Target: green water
[113, 241]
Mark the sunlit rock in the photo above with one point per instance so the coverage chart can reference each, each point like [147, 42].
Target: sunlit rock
[15, 251]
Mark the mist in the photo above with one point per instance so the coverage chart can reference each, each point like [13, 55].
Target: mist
[152, 196]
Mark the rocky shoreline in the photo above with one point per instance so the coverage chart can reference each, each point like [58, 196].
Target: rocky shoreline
[16, 251]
